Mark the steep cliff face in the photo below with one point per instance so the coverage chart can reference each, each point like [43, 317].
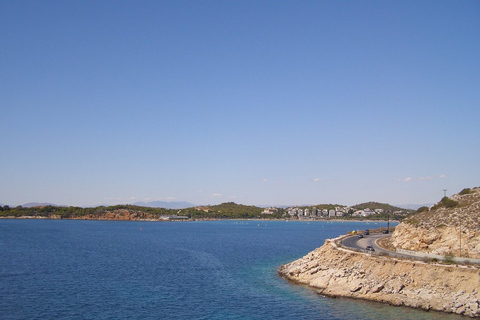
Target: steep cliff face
[450, 228]
[335, 272]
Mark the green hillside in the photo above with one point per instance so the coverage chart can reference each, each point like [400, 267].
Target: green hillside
[377, 205]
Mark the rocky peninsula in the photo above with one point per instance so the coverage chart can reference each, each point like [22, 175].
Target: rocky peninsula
[430, 285]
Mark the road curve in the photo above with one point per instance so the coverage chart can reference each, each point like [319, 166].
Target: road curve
[356, 243]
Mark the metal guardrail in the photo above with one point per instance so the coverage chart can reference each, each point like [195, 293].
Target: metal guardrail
[438, 257]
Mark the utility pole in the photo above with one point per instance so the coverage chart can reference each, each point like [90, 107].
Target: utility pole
[460, 239]
[388, 223]
[388, 230]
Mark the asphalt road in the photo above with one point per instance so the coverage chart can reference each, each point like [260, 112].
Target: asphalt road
[356, 243]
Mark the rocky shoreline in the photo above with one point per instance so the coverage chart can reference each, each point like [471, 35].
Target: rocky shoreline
[336, 272]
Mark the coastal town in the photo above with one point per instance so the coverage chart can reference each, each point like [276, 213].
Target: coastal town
[321, 213]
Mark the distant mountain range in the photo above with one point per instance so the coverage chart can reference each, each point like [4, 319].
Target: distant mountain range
[166, 204]
[414, 206]
[152, 204]
[184, 204]
[38, 204]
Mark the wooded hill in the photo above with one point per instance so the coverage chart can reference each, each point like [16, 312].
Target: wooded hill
[228, 210]
[118, 212]
[377, 205]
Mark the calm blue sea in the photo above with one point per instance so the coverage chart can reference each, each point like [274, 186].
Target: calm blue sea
[63, 269]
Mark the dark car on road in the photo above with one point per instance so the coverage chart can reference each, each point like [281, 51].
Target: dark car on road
[360, 236]
[369, 248]
[367, 232]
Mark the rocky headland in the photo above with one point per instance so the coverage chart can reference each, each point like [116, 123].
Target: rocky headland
[336, 272]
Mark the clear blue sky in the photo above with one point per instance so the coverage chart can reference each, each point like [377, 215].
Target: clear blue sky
[256, 102]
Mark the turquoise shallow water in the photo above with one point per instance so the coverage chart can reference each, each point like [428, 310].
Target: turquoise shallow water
[61, 269]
